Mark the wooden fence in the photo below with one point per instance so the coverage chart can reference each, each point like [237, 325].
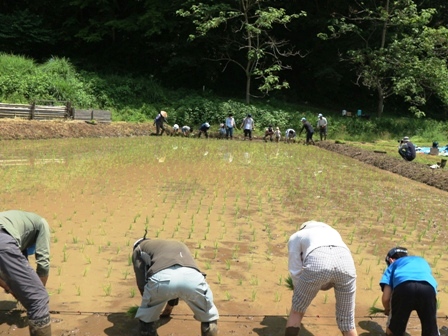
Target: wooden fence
[52, 112]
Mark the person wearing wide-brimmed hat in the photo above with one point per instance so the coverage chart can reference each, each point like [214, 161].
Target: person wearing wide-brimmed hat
[407, 149]
[165, 270]
[22, 234]
[159, 122]
[407, 285]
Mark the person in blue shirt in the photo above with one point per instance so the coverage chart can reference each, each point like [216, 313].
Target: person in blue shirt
[407, 285]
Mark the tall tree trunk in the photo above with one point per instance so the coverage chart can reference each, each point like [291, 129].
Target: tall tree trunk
[380, 106]
[248, 82]
[385, 25]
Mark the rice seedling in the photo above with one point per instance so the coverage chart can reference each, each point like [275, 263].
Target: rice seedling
[132, 311]
[374, 310]
[107, 289]
[78, 290]
[289, 283]
[277, 296]
[254, 281]
[253, 295]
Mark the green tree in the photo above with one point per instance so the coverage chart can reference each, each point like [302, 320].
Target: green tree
[400, 54]
[246, 38]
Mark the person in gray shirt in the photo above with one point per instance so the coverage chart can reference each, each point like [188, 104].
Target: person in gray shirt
[21, 234]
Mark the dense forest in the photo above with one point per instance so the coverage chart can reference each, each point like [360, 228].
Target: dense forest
[384, 56]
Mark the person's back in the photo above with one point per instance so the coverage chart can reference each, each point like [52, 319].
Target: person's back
[411, 153]
[307, 126]
[407, 285]
[20, 233]
[410, 268]
[407, 149]
[166, 272]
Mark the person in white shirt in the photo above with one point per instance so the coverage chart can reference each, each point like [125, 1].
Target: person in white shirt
[175, 129]
[230, 125]
[248, 126]
[277, 134]
[322, 126]
[318, 259]
[290, 135]
[186, 130]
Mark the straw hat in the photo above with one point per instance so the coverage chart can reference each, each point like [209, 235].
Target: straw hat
[164, 114]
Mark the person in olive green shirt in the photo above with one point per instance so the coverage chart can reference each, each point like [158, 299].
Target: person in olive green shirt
[165, 271]
[21, 234]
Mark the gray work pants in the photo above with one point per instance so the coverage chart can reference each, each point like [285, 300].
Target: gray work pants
[22, 279]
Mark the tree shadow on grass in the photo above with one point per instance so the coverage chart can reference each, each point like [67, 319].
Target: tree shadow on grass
[12, 316]
[275, 325]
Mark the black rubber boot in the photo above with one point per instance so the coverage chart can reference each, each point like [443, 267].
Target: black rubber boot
[40, 327]
[292, 331]
[148, 329]
[209, 328]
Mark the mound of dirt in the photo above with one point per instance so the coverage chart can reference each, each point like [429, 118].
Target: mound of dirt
[415, 171]
[16, 129]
